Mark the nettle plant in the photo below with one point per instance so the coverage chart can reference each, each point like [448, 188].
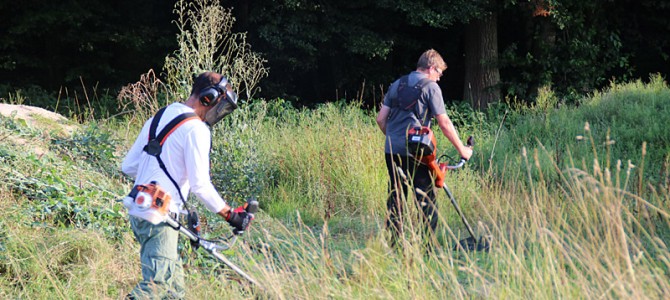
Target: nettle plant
[207, 43]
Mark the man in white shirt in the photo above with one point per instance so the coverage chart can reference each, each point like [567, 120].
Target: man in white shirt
[185, 156]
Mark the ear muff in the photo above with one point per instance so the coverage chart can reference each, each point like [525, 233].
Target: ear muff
[210, 95]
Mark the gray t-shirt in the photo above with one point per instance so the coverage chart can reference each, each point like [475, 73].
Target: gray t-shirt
[430, 104]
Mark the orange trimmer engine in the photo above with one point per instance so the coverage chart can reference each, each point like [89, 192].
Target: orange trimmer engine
[422, 143]
[154, 196]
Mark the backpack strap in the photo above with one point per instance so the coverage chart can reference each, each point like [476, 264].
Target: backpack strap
[154, 124]
[419, 86]
[407, 100]
[397, 102]
[155, 145]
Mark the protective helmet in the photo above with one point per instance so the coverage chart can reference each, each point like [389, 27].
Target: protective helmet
[222, 100]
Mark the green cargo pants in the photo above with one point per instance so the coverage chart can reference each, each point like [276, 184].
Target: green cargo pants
[162, 271]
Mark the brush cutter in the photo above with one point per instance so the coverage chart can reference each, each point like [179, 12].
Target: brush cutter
[215, 246]
[150, 202]
[471, 243]
[423, 136]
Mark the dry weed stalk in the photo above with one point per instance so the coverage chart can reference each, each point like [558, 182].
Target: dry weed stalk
[141, 98]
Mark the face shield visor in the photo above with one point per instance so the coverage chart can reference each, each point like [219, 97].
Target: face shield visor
[226, 104]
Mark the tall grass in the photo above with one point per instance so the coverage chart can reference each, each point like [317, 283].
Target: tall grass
[622, 118]
[571, 232]
[329, 158]
[51, 263]
[581, 239]
[61, 231]
[578, 227]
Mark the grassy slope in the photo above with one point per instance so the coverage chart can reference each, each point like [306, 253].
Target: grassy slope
[561, 227]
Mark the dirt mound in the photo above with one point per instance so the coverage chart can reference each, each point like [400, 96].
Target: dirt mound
[25, 111]
[36, 117]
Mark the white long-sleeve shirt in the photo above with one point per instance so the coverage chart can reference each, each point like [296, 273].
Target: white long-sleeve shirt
[185, 154]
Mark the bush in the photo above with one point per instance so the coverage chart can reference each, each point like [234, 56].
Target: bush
[607, 123]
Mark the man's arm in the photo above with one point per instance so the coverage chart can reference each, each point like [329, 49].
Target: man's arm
[197, 166]
[382, 117]
[196, 154]
[450, 132]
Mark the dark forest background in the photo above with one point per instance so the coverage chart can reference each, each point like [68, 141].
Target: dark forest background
[319, 51]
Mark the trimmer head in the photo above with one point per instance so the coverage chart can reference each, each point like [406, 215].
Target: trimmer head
[471, 244]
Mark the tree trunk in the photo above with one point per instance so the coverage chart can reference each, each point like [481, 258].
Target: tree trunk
[481, 62]
[544, 40]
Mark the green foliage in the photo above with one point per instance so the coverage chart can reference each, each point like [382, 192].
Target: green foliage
[546, 100]
[321, 51]
[573, 49]
[317, 48]
[56, 44]
[625, 107]
[607, 123]
[94, 144]
[16, 126]
[239, 166]
[466, 119]
[296, 26]
[442, 14]
[59, 188]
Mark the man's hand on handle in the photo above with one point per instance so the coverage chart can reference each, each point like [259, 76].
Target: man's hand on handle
[466, 152]
[239, 219]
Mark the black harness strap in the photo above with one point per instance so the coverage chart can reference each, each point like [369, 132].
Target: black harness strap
[406, 99]
[155, 145]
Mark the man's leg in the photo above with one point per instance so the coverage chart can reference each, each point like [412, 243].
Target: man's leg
[395, 201]
[426, 199]
[424, 181]
[162, 272]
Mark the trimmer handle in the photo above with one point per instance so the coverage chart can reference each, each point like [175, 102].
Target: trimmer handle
[444, 166]
[251, 206]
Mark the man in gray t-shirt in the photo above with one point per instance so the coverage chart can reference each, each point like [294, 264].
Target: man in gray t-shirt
[394, 120]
